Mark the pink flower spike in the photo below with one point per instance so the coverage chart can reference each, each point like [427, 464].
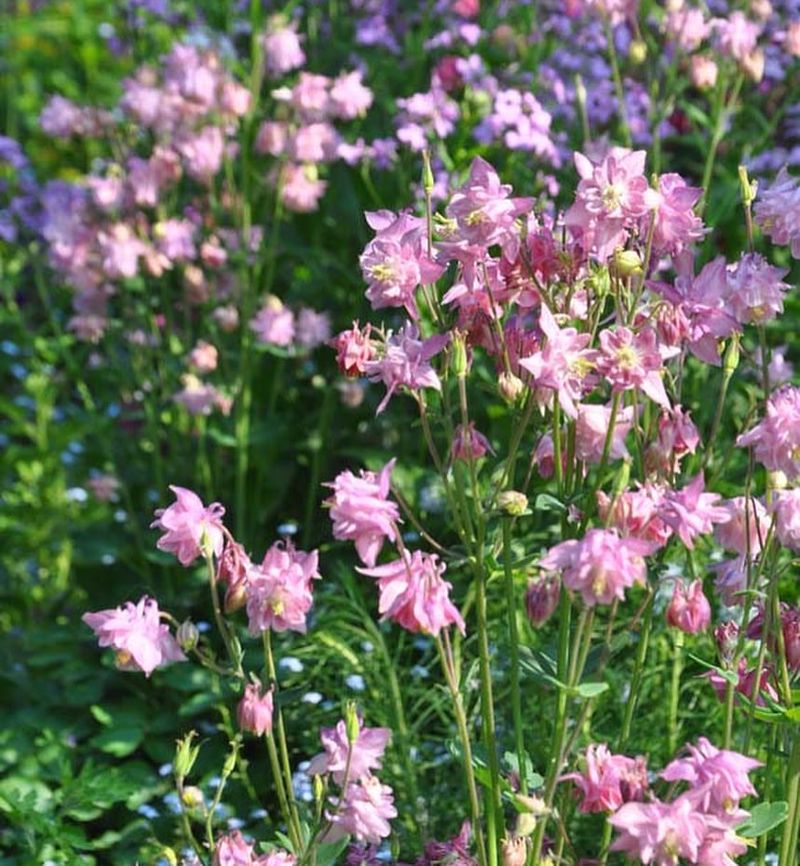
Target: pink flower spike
[362, 512]
[142, 642]
[190, 528]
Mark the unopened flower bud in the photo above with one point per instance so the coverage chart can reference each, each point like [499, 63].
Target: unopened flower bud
[459, 361]
[637, 51]
[428, 182]
[727, 637]
[778, 480]
[185, 755]
[318, 787]
[192, 797]
[626, 263]
[187, 635]
[351, 722]
[730, 360]
[514, 851]
[748, 187]
[230, 761]
[526, 824]
[510, 387]
[512, 502]
[689, 609]
[541, 598]
[255, 709]
[532, 805]
[753, 65]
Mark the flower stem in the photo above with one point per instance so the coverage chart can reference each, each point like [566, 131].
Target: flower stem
[513, 638]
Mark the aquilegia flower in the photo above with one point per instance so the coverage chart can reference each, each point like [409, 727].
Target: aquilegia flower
[365, 753]
[142, 642]
[190, 528]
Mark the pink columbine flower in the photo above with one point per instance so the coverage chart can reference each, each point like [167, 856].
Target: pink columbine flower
[301, 188]
[736, 35]
[786, 510]
[406, 363]
[357, 760]
[601, 565]
[282, 49]
[233, 849]
[190, 528]
[703, 72]
[199, 398]
[755, 290]
[363, 812]
[746, 684]
[565, 365]
[676, 224]
[591, 430]
[469, 444]
[395, 263]
[353, 350]
[279, 594]
[274, 323]
[629, 360]
[607, 781]
[204, 357]
[634, 514]
[689, 609]
[413, 593]
[746, 530]
[660, 833]
[731, 580]
[254, 712]
[362, 512]
[721, 775]
[312, 328]
[687, 27]
[612, 195]
[483, 208]
[677, 436]
[776, 439]
[104, 487]
[350, 98]
[141, 641]
[777, 210]
[699, 313]
[691, 512]
[541, 598]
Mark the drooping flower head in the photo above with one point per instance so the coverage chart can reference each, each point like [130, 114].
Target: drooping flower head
[601, 565]
[689, 609]
[190, 528]
[607, 781]
[254, 712]
[406, 363]
[142, 642]
[414, 594]
[362, 512]
[363, 812]
[721, 774]
[776, 439]
[279, 594]
[353, 350]
[358, 759]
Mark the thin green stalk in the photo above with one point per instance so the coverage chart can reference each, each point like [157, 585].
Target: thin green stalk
[448, 666]
[513, 638]
[791, 829]
[636, 678]
[619, 89]
[269, 660]
[559, 723]
[674, 691]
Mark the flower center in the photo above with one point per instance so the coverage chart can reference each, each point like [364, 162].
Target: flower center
[627, 357]
[612, 196]
[382, 272]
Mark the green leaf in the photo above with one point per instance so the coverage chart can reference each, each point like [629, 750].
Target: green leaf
[118, 741]
[546, 502]
[590, 690]
[327, 853]
[763, 818]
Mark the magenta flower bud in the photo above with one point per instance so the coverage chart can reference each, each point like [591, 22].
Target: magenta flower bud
[353, 350]
[791, 637]
[541, 598]
[689, 609]
[726, 635]
[254, 712]
[469, 444]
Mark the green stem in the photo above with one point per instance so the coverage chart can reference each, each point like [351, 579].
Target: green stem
[619, 89]
[513, 638]
[789, 839]
[674, 691]
[636, 679]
